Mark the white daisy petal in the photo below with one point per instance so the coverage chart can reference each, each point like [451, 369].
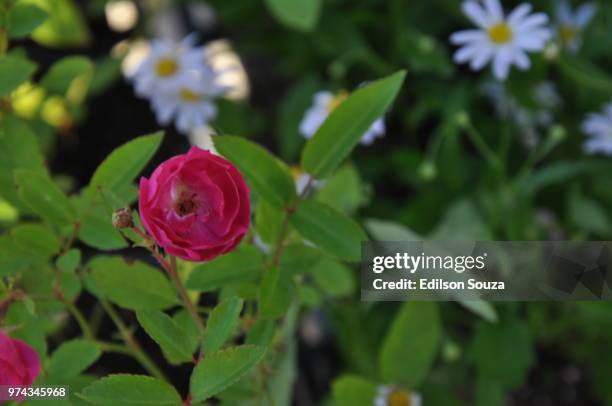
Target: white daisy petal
[475, 12]
[532, 21]
[564, 12]
[501, 63]
[466, 53]
[465, 36]
[519, 13]
[494, 9]
[521, 60]
[482, 57]
[584, 14]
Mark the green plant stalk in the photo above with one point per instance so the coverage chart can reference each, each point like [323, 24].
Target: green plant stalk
[81, 321]
[482, 147]
[130, 341]
[284, 231]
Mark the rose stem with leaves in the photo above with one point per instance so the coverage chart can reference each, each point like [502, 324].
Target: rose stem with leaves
[172, 272]
[131, 342]
[282, 235]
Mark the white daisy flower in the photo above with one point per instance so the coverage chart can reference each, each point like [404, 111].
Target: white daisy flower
[190, 104]
[389, 395]
[167, 65]
[504, 41]
[572, 22]
[323, 104]
[598, 127]
[302, 179]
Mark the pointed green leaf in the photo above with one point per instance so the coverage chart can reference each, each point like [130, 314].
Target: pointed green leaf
[134, 285]
[243, 265]
[171, 337]
[13, 72]
[222, 323]
[334, 278]
[275, 293]
[37, 240]
[63, 72]
[345, 126]
[125, 163]
[131, 390]
[351, 390]
[301, 15]
[329, 229]
[72, 358]
[221, 369]
[69, 261]
[24, 18]
[268, 176]
[411, 344]
[65, 26]
[43, 196]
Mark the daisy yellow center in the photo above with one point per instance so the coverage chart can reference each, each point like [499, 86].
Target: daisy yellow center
[166, 67]
[188, 95]
[568, 33]
[398, 398]
[500, 33]
[337, 100]
[296, 172]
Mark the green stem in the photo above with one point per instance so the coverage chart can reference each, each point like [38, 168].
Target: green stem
[81, 321]
[482, 147]
[130, 341]
[284, 231]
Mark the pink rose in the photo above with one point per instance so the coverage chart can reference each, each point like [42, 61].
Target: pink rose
[195, 206]
[19, 363]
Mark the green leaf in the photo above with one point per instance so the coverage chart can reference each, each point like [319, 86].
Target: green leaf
[63, 72]
[275, 293]
[97, 231]
[481, 308]
[131, 390]
[65, 26]
[13, 72]
[69, 261]
[329, 229]
[345, 126]
[221, 369]
[343, 190]
[335, 279]
[586, 75]
[245, 264]
[383, 230]
[72, 358]
[171, 337]
[503, 352]
[589, 215]
[132, 285]
[125, 163]
[351, 390]
[24, 18]
[411, 344]
[36, 239]
[221, 324]
[43, 196]
[268, 176]
[300, 15]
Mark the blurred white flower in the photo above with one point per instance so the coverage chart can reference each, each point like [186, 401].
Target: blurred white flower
[530, 120]
[572, 22]
[324, 103]
[190, 105]
[598, 128]
[167, 65]
[180, 84]
[389, 395]
[302, 179]
[500, 40]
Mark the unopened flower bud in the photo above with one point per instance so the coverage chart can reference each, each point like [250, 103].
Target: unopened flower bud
[122, 218]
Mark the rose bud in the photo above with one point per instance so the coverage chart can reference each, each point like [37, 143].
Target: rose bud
[19, 363]
[122, 218]
[195, 206]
